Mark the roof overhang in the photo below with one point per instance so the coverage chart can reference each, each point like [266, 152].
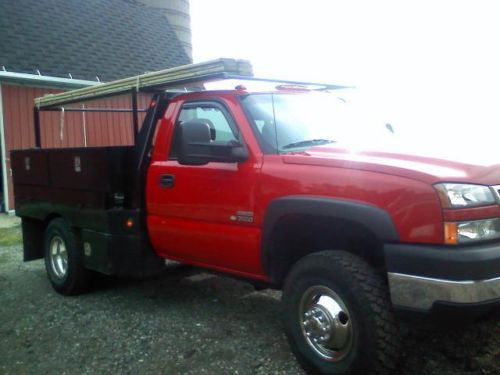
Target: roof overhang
[46, 81]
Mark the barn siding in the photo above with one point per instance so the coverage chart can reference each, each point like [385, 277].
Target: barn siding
[102, 129]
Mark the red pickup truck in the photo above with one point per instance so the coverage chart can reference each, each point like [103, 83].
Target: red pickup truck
[258, 185]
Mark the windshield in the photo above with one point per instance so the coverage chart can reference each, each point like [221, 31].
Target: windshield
[287, 122]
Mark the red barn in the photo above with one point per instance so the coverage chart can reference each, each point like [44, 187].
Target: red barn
[47, 46]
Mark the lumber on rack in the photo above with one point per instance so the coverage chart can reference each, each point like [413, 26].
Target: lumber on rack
[160, 80]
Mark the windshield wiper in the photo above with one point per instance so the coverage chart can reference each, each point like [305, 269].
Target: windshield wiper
[309, 142]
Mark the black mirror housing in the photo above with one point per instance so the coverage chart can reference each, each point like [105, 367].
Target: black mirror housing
[197, 148]
[191, 134]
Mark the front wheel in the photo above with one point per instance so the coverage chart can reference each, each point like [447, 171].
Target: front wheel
[337, 316]
[64, 259]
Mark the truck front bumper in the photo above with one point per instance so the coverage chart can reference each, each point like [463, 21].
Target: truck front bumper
[425, 278]
[422, 293]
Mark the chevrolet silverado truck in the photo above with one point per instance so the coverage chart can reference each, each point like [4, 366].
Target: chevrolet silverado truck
[258, 185]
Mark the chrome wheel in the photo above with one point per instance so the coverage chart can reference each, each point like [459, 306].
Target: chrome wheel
[326, 323]
[58, 257]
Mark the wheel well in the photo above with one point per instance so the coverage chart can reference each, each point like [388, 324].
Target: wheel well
[296, 236]
[50, 217]
[33, 236]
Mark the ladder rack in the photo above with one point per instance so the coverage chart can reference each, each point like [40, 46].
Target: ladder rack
[162, 80]
[154, 81]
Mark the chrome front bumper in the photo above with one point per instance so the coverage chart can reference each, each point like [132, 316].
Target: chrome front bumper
[422, 293]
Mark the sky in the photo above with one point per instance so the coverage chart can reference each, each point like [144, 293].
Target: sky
[431, 67]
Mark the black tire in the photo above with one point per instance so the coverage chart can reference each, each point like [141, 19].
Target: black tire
[75, 279]
[367, 341]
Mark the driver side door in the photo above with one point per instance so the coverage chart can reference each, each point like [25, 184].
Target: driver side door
[203, 214]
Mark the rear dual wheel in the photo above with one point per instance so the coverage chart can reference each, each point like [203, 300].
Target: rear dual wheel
[338, 317]
[64, 259]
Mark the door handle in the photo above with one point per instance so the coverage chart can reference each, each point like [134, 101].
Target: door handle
[166, 181]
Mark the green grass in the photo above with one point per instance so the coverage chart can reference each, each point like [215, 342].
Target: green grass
[10, 236]
[4, 258]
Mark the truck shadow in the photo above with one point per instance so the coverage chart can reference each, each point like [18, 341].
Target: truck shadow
[222, 308]
[197, 294]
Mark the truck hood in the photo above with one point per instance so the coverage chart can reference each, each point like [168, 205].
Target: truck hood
[426, 169]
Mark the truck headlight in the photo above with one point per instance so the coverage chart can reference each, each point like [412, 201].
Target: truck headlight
[464, 195]
[471, 231]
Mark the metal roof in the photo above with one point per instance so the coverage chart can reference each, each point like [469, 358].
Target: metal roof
[83, 40]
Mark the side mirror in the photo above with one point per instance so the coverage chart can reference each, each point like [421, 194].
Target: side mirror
[197, 148]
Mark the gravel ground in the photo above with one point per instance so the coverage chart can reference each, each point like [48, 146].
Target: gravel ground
[185, 321]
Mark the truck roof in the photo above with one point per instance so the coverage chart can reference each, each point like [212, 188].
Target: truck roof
[242, 90]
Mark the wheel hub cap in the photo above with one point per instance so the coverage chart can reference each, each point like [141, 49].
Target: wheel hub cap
[58, 257]
[326, 323]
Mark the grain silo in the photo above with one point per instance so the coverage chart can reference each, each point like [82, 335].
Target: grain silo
[177, 13]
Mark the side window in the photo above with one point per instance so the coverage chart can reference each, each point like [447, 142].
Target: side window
[219, 124]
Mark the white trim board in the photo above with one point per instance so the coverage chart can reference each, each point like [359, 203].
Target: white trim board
[3, 156]
[36, 80]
